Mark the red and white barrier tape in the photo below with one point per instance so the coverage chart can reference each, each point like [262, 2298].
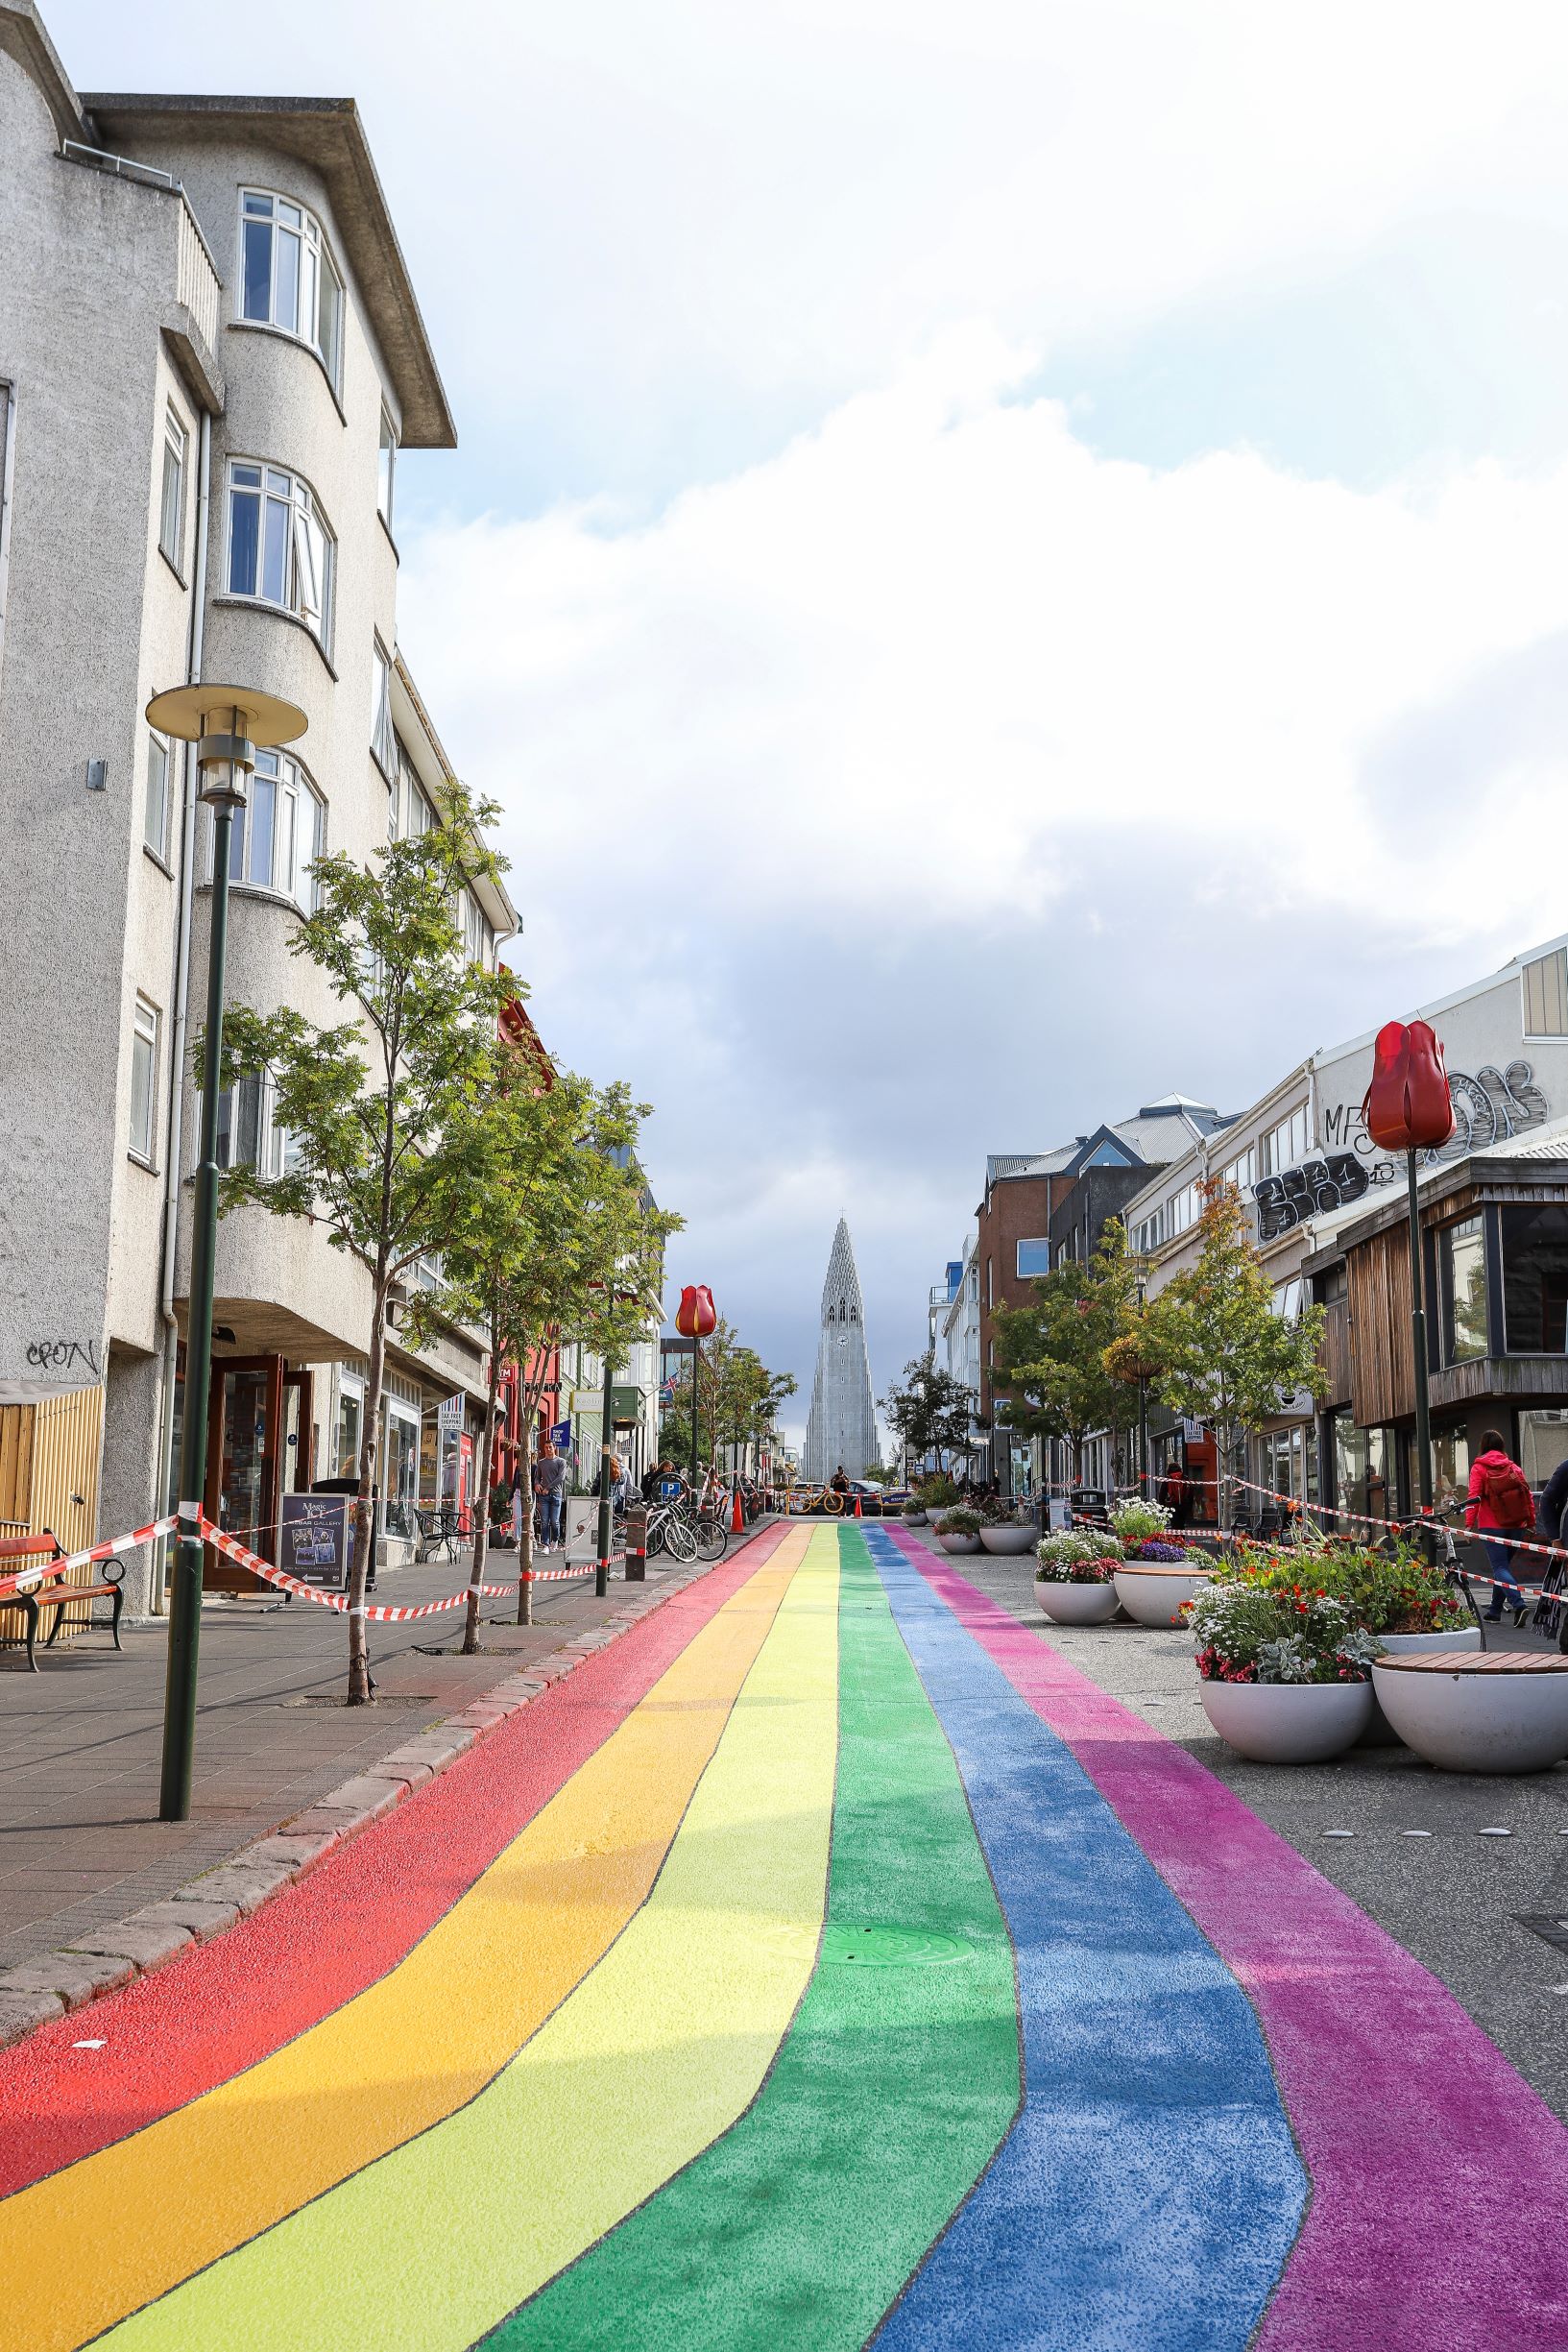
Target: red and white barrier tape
[26, 1578]
[1477, 1534]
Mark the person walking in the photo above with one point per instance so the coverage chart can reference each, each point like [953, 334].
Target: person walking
[1500, 1504]
[550, 1484]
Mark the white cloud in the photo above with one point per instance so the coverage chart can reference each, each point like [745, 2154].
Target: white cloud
[939, 762]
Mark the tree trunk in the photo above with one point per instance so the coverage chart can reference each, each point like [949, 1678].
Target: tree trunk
[525, 1533]
[359, 1665]
[481, 1540]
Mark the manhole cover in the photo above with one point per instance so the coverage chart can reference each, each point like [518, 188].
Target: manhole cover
[885, 1947]
[1550, 1930]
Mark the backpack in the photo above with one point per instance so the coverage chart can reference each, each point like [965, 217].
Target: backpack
[1508, 1496]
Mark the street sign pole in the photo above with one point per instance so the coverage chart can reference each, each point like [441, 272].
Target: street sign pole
[607, 1500]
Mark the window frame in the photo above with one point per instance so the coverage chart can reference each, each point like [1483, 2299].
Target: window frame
[383, 730]
[304, 510]
[316, 266]
[171, 530]
[386, 469]
[160, 849]
[289, 780]
[1558, 956]
[272, 1156]
[1447, 1289]
[146, 1030]
[1031, 1241]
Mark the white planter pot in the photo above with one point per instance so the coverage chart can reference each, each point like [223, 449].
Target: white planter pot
[1009, 1540]
[959, 1544]
[914, 1518]
[1379, 1733]
[1068, 1604]
[1288, 1723]
[1155, 1595]
[1478, 1722]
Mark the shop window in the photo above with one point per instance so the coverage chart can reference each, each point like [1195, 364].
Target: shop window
[1535, 1280]
[1543, 1441]
[1362, 1459]
[400, 1473]
[1450, 1465]
[349, 1425]
[1461, 1262]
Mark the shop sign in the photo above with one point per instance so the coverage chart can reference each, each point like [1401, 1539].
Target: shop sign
[313, 1539]
[450, 1411]
[561, 1437]
[1488, 1109]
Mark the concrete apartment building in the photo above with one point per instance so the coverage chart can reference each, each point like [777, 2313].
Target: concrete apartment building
[211, 356]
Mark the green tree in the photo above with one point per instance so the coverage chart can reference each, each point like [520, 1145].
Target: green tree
[1050, 1372]
[1226, 1356]
[930, 1413]
[383, 1146]
[738, 1400]
[555, 1220]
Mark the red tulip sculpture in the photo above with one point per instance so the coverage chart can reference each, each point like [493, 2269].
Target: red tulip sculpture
[695, 1317]
[1407, 1106]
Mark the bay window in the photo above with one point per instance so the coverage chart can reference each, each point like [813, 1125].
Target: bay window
[289, 279]
[249, 1132]
[280, 550]
[276, 839]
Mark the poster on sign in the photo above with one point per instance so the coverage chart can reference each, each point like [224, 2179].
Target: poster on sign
[561, 1437]
[313, 1539]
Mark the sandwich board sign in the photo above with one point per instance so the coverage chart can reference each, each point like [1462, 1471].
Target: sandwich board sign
[313, 1539]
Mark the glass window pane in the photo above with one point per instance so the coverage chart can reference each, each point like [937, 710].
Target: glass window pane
[260, 204]
[1462, 1250]
[275, 555]
[283, 856]
[258, 269]
[155, 816]
[308, 565]
[286, 286]
[1535, 1280]
[329, 332]
[244, 533]
[288, 214]
[236, 846]
[143, 1061]
[262, 790]
[384, 469]
[307, 293]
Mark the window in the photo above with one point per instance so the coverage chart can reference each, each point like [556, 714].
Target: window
[143, 1079]
[383, 737]
[1285, 1145]
[279, 548]
[171, 520]
[1543, 1441]
[349, 1420]
[1461, 1259]
[275, 840]
[155, 823]
[1150, 1233]
[289, 277]
[249, 1132]
[1182, 1211]
[1242, 1173]
[1360, 1468]
[409, 813]
[1546, 995]
[1535, 1280]
[385, 467]
[477, 948]
[1034, 1257]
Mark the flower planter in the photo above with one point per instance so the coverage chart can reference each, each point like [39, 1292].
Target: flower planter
[1288, 1723]
[1009, 1540]
[1506, 1710]
[959, 1544]
[1156, 1595]
[914, 1518]
[1068, 1604]
[1379, 1733]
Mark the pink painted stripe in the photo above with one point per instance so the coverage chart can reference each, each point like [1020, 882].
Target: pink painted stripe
[1437, 2172]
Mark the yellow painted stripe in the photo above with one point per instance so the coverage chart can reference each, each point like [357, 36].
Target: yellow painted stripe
[410, 2049]
[657, 2051]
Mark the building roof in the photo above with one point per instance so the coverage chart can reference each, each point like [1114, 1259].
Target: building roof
[22, 31]
[327, 135]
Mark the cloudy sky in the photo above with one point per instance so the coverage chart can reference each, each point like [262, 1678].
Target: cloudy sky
[1001, 560]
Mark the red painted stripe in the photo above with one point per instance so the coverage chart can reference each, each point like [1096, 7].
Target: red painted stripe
[219, 2009]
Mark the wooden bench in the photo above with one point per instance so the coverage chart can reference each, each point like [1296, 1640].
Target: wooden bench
[1476, 1661]
[52, 1591]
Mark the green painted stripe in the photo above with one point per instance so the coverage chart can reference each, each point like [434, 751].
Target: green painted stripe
[889, 2096]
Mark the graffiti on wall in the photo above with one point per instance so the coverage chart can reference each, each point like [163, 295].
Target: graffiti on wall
[61, 1355]
[1489, 1108]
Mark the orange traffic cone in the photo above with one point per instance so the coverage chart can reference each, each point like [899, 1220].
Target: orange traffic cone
[738, 1517]
[859, 1512]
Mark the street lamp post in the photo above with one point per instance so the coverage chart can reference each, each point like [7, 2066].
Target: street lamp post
[226, 723]
[607, 1456]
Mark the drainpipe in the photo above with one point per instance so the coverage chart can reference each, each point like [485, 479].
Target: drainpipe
[177, 1062]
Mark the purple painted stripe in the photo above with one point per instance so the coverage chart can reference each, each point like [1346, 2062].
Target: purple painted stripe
[1437, 2172]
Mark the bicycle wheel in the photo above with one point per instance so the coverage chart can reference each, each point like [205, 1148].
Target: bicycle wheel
[680, 1539]
[658, 1521]
[712, 1542]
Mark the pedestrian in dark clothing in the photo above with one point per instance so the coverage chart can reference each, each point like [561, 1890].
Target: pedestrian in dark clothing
[1553, 1503]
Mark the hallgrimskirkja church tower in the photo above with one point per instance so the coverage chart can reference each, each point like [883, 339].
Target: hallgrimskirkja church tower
[841, 1427]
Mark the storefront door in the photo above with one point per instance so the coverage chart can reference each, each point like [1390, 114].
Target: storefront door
[244, 1476]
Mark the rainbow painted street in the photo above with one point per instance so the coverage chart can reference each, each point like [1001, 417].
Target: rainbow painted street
[826, 1962]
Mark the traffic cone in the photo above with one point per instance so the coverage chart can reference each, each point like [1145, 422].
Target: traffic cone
[738, 1517]
[859, 1512]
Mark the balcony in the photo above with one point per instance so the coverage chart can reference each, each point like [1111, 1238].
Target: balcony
[190, 323]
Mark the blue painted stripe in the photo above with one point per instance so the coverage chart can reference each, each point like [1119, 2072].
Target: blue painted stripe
[1150, 2191]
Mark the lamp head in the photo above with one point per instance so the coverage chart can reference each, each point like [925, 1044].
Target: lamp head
[227, 724]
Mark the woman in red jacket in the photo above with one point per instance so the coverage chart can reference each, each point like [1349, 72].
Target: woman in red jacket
[1500, 1502]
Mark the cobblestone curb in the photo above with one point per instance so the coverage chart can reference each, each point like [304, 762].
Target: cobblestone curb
[42, 1990]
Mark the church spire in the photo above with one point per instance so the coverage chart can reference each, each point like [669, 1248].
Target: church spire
[841, 1428]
